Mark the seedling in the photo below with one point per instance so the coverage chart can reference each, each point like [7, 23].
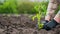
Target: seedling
[40, 8]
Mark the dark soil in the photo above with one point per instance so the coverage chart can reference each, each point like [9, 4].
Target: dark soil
[22, 24]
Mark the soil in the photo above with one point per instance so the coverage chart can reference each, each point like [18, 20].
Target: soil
[22, 24]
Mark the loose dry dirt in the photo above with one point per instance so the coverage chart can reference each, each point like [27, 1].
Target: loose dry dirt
[22, 24]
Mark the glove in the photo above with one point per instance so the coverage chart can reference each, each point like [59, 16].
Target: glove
[50, 25]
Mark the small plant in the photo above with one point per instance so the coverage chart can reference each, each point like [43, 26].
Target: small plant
[41, 9]
[38, 16]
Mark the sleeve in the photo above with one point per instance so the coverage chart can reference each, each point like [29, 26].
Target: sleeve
[52, 6]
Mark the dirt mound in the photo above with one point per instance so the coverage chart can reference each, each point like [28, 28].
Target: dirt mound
[22, 24]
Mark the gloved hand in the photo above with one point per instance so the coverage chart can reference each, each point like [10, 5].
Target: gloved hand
[50, 25]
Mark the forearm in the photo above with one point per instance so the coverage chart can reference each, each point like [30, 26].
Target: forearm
[57, 17]
[52, 6]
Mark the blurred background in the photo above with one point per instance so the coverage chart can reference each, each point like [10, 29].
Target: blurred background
[23, 6]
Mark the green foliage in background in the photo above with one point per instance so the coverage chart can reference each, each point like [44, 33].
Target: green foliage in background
[13, 7]
[8, 7]
[26, 7]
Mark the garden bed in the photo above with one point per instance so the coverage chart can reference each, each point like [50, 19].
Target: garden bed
[22, 24]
